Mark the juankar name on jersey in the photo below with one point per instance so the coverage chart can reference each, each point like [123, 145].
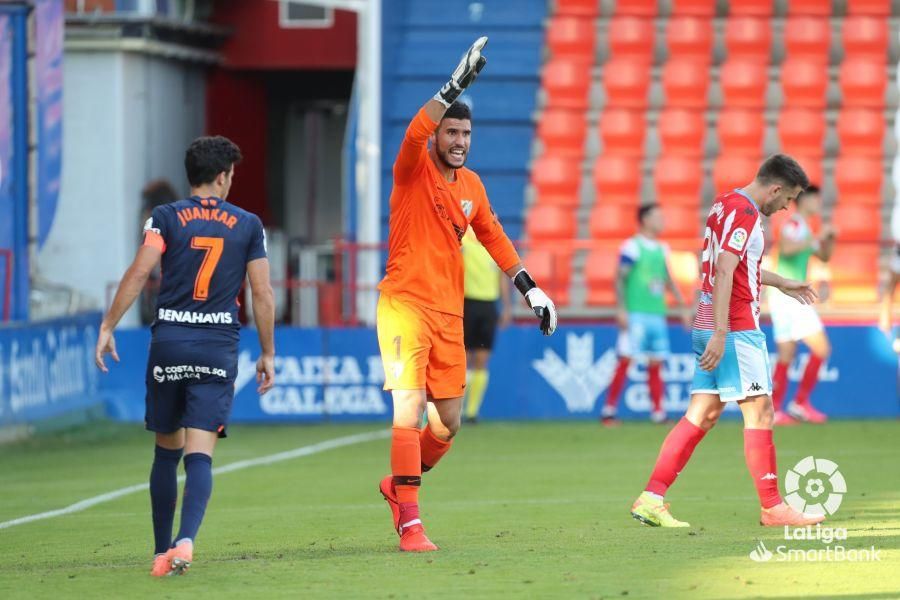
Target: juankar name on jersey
[206, 245]
[733, 225]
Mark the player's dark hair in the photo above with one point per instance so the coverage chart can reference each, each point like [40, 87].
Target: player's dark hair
[811, 189]
[208, 156]
[644, 210]
[784, 169]
[458, 110]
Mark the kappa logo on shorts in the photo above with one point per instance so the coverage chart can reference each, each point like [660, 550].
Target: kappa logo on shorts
[755, 387]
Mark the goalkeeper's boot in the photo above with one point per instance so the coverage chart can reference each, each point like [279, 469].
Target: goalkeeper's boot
[413, 539]
[162, 565]
[651, 511]
[182, 556]
[390, 496]
[782, 515]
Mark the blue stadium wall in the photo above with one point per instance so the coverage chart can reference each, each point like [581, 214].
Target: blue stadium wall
[423, 42]
[47, 370]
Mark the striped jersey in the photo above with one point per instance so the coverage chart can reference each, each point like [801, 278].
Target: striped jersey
[733, 225]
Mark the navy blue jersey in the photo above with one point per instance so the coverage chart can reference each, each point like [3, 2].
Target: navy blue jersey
[206, 245]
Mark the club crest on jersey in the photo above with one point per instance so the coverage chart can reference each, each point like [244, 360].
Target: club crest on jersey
[466, 207]
[148, 226]
[738, 239]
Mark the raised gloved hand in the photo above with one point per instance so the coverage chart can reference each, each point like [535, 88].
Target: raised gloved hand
[539, 302]
[469, 67]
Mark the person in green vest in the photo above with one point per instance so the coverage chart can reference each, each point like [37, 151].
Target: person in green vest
[641, 283]
[485, 285]
[793, 322]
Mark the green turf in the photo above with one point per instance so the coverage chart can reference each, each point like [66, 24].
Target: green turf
[520, 510]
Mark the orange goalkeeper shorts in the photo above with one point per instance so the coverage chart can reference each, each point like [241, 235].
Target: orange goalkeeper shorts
[421, 348]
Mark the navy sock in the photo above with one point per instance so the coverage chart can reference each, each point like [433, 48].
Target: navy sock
[197, 489]
[164, 495]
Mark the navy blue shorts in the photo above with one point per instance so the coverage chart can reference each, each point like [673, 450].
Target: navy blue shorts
[190, 382]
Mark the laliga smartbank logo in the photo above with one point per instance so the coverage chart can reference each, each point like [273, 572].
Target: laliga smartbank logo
[814, 486]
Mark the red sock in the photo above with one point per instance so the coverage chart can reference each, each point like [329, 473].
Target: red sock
[656, 386]
[406, 463]
[779, 384]
[618, 382]
[810, 378]
[674, 455]
[433, 448]
[759, 451]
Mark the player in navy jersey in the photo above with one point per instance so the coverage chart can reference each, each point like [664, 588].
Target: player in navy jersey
[732, 362]
[207, 247]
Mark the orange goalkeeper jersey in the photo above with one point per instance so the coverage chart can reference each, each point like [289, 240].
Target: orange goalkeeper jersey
[429, 217]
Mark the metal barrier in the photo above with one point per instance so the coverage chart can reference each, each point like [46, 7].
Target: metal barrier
[322, 285]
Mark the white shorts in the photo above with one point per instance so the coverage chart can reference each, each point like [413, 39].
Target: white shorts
[792, 321]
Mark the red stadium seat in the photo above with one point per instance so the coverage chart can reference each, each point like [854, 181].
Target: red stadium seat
[802, 131]
[578, 8]
[698, 8]
[622, 132]
[572, 37]
[567, 83]
[552, 266]
[600, 274]
[751, 8]
[733, 171]
[812, 166]
[546, 222]
[816, 8]
[804, 83]
[857, 222]
[562, 132]
[875, 8]
[854, 263]
[681, 132]
[631, 37]
[613, 221]
[686, 83]
[637, 8]
[678, 180]
[865, 36]
[748, 38]
[807, 38]
[626, 83]
[858, 180]
[863, 83]
[861, 132]
[681, 222]
[556, 179]
[741, 131]
[691, 38]
[744, 83]
[617, 177]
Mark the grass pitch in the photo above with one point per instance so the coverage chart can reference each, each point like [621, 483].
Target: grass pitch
[519, 510]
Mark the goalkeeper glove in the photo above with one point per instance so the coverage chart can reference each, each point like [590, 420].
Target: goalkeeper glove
[468, 69]
[539, 302]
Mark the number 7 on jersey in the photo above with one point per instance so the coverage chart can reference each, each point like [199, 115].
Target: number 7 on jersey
[212, 248]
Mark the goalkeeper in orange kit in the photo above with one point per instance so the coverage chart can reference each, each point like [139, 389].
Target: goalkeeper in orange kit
[420, 311]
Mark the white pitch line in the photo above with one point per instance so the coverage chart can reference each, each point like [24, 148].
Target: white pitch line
[302, 451]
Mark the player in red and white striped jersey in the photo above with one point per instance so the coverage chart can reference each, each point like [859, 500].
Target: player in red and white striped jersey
[732, 361]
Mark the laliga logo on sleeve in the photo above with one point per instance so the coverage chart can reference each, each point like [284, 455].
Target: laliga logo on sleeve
[738, 239]
[815, 486]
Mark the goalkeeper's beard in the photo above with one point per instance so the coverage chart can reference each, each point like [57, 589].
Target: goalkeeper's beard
[444, 154]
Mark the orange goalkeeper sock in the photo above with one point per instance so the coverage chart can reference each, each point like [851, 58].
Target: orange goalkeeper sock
[433, 448]
[406, 463]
